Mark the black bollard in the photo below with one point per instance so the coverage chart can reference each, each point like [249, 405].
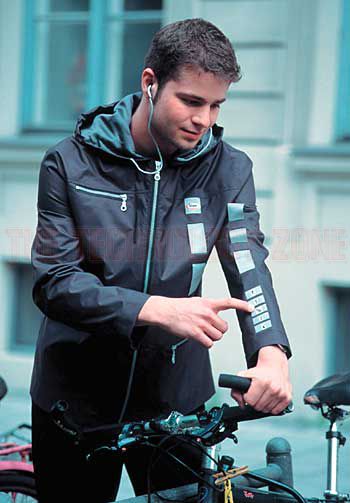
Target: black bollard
[278, 452]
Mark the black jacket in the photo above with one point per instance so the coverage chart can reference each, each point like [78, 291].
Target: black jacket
[109, 236]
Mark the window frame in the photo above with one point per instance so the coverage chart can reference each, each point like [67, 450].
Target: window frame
[125, 18]
[342, 119]
[99, 17]
[337, 295]
[13, 345]
[95, 61]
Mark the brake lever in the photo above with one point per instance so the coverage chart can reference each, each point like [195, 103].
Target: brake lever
[58, 413]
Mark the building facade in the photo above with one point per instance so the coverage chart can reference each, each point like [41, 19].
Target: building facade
[290, 112]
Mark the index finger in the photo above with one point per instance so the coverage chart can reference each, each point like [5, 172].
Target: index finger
[231, 303]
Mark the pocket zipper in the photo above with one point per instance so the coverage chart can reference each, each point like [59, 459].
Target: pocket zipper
[174, 348]
[123, 197]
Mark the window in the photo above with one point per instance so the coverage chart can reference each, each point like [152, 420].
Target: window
[26, 317]
[339, 330]
[343, 103]
[80, 53]
[130, 30]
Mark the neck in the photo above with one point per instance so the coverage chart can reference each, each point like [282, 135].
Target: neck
[139, 129]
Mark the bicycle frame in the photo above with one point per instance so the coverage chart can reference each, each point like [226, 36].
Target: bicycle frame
[335, 439]
[7, 449]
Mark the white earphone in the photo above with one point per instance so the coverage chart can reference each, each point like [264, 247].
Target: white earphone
[149, 92]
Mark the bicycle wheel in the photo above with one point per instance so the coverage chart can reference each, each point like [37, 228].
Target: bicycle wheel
[17, 487]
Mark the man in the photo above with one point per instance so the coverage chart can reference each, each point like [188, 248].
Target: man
[129, 210]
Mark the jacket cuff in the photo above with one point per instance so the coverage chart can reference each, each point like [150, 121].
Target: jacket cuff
[273, 339]
[133, 302]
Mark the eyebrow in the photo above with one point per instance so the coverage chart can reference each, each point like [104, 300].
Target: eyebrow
[198, 98]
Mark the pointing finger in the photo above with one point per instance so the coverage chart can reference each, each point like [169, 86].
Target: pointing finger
[231, 303]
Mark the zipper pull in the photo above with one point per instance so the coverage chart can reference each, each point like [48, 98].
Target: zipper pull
[123, 206]
[173, 353]
[159, 166]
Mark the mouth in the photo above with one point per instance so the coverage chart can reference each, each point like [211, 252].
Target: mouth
[195, 135]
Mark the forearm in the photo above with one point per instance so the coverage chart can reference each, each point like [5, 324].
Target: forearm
[80, 300]
[154, 311]
[273, 354]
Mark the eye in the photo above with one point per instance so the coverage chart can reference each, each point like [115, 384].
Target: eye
[191, 103]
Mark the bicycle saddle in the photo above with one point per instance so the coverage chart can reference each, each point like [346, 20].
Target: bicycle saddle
[331, 391]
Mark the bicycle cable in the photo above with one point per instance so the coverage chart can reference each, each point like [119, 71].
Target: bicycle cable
[128, 389]
[152, 464]
[181, 439]
[149, 485]
[293, 492]
[187, 440]
[179, 461]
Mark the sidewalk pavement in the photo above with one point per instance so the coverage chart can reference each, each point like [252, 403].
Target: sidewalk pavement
[309, 448]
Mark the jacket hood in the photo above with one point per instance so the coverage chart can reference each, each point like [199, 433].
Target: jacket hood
[107, 128]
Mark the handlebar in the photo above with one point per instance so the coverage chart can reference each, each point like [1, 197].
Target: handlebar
[238, 383]
[211, 427]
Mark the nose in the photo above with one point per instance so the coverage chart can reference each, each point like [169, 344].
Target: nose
[202, 117]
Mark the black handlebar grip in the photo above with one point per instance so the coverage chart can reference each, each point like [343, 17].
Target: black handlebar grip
[238, 383]
[3, 388]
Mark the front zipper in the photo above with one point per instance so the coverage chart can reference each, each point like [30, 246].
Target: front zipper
[173, 347]
[122, 197]
[151, 232]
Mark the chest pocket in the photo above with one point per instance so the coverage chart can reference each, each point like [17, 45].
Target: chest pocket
[103, 209]
[123, 198]
[105, 221]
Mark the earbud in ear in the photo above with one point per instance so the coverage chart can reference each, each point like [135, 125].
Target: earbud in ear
[149, 92]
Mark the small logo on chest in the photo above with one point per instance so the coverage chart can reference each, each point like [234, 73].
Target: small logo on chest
[193, 205]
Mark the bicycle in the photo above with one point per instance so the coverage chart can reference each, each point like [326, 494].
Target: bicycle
[17, 483]
[17, 480]
[206, 430]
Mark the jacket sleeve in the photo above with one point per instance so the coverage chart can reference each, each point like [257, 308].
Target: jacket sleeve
[63, 290]
[242, 256]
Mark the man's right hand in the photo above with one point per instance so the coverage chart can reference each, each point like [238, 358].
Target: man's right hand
[190, 317]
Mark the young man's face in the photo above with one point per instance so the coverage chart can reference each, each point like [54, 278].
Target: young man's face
[186, 108]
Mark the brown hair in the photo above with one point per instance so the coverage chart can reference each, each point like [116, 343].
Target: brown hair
[192, 42]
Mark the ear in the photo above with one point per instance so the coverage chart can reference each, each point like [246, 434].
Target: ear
[148, 78]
